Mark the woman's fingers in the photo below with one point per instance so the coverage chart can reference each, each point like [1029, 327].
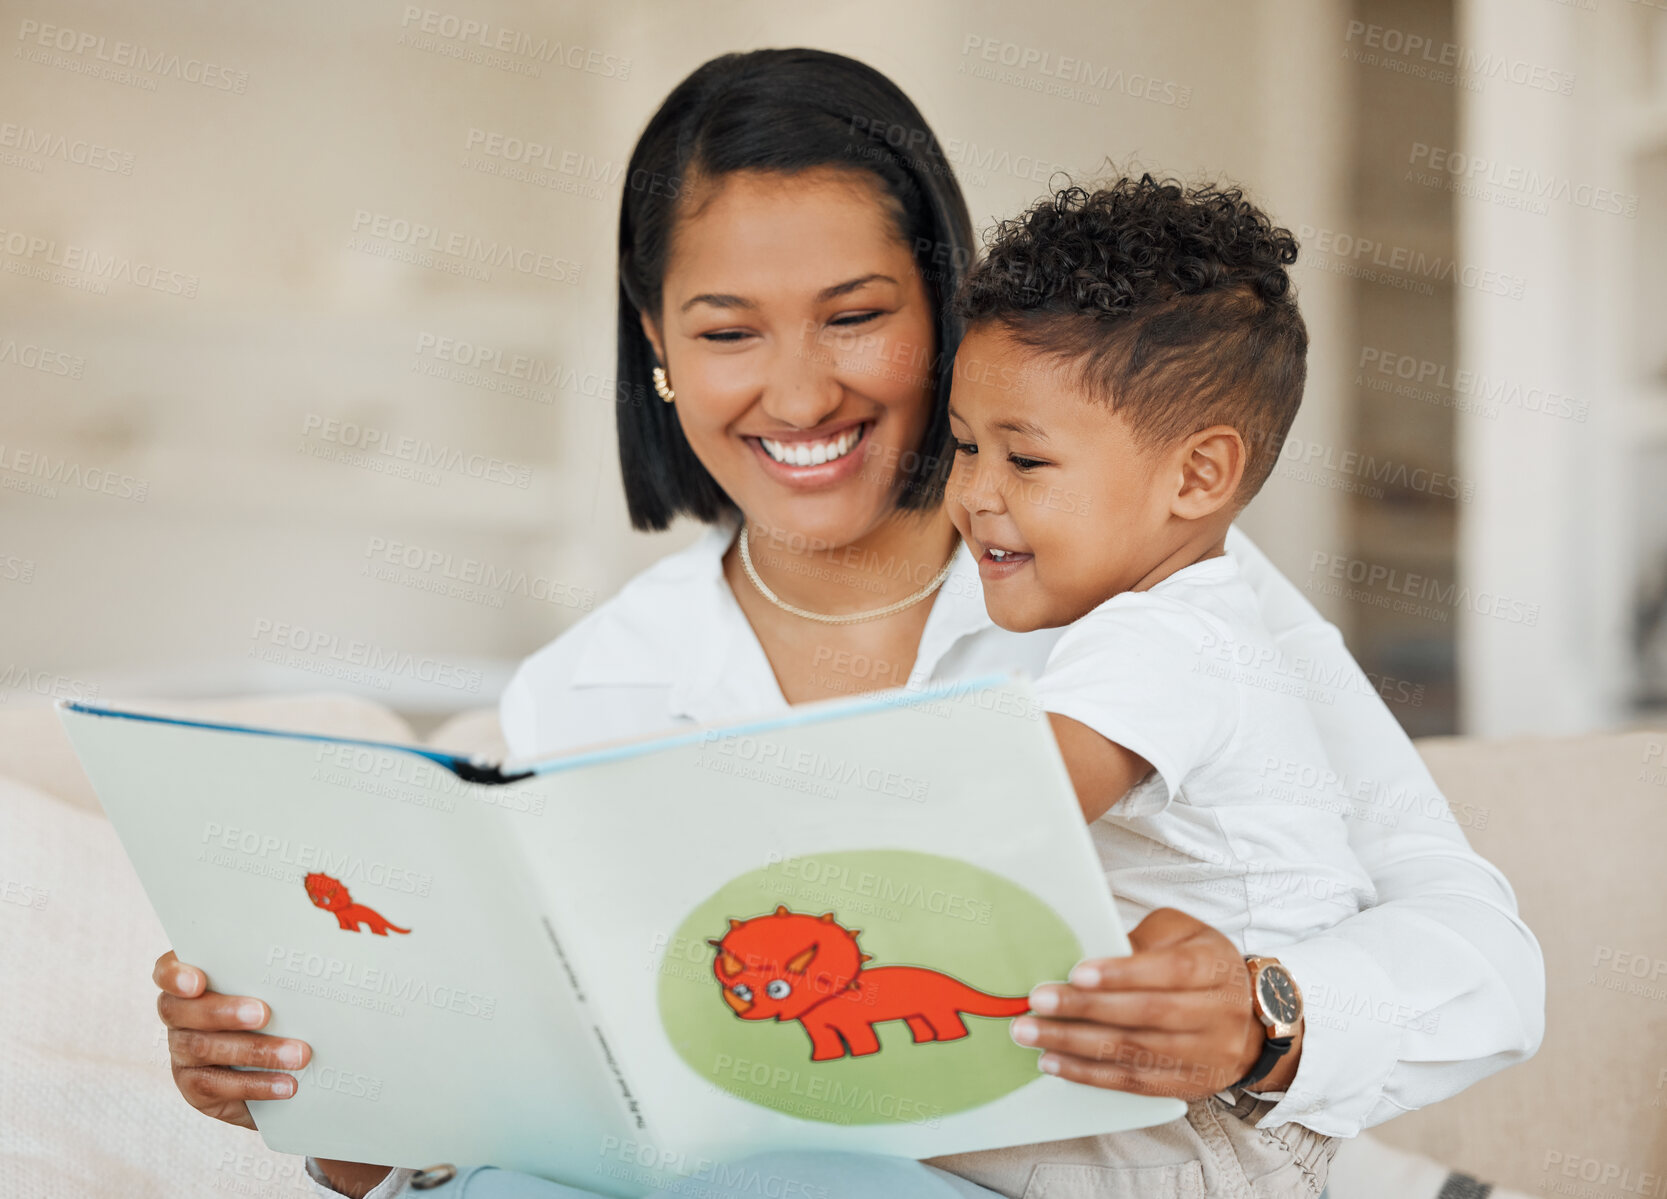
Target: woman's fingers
[1166, 1063]
[1171, 952]
[1175, 1083]
[211, 1011]
[223, 1093]
[219, 1062]
[1167, 1011]
[175, 977]
[189, 1048]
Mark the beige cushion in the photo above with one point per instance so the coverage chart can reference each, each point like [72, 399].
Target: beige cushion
[475, 733]
[1577, 825]
[34, 748]
[90, 1108]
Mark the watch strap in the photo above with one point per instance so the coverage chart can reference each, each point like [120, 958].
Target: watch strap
[1273, 1049]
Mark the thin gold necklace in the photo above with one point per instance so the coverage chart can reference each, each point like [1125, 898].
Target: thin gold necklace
[849, 618]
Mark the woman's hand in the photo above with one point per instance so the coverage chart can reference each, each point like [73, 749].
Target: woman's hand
[208, 1033]
[1173, 1018]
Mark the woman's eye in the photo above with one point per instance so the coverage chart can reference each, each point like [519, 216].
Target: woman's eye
[966, 447]
[855, 319]
[778, 988]
[725, 335]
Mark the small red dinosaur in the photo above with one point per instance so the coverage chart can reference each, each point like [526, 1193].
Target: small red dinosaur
[332, 896]
[794, 966]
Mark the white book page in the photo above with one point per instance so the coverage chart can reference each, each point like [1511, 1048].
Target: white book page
[460, 1040]
[945, 831]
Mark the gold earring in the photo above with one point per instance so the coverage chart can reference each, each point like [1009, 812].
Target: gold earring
[661, 387]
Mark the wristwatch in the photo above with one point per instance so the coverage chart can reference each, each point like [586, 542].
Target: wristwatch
[1278, 1005]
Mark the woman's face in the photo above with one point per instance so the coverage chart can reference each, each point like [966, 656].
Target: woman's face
[799, 338]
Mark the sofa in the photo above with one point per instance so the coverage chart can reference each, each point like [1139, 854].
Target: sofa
[88, 1107]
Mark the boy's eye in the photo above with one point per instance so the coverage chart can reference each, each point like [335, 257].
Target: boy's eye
[1025, 463]
[725, 335]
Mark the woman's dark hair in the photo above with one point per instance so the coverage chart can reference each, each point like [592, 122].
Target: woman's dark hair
[787, 111]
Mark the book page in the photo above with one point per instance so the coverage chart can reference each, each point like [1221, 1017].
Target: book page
[812, 931]
[367, 895]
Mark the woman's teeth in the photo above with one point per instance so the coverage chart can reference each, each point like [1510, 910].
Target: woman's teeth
[812, 453]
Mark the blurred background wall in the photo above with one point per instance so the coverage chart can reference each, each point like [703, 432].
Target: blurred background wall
[259, 390]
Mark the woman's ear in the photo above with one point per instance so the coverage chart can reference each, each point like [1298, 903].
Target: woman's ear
[653, 335]
[1212, 464]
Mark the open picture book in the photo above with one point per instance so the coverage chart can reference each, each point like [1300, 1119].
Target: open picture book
[622, 966]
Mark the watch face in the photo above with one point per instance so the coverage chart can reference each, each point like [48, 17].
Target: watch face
[1278, 994]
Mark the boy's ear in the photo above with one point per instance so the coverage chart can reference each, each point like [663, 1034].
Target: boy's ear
[1212, 465]
[653, 335]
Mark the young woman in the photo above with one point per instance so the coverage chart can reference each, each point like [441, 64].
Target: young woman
[789, 238]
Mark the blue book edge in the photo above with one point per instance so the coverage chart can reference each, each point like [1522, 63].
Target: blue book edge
[475, 771]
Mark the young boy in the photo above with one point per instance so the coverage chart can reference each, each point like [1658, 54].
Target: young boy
[1133, 360]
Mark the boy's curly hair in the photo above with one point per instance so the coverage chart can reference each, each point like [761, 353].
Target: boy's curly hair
[1173, 304]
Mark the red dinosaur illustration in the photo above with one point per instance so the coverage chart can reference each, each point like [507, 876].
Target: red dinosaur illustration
[794, 966]
[332, 896]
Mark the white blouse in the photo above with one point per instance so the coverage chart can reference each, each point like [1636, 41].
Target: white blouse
[1435, 986]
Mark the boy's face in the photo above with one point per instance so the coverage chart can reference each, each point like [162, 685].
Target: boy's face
[1053, 478]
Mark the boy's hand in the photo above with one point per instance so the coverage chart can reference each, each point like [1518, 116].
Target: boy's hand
[1173, 1018]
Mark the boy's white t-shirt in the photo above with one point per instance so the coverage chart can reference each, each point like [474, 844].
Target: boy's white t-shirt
[1240, 823]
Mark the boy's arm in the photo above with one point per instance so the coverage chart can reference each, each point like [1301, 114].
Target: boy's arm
[1102, 772]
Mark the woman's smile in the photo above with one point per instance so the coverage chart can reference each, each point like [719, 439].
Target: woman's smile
[814, 459]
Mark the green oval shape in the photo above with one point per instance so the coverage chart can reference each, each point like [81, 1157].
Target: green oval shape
[912, 909]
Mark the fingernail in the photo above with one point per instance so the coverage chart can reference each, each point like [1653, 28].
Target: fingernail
[1048, 1063]
[249, 1012]
[1044, 1000]
[1086, 976]
[185, 979]
[283, 1088]
[289, 1056]
[1025, 1031]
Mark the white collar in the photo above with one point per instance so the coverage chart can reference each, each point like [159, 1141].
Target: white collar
[678, 625]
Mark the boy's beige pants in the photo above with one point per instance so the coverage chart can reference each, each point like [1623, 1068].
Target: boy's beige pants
[1215, 1150]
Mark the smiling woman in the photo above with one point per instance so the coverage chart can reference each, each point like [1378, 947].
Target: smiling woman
[793, 284]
